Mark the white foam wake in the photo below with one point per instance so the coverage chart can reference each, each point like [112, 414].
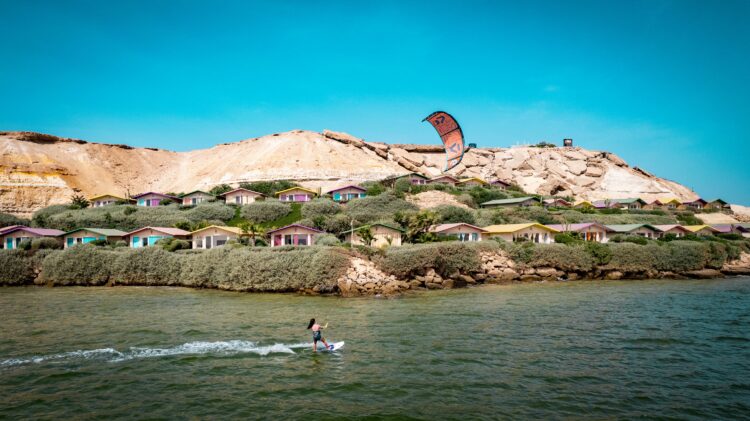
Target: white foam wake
[189, 348]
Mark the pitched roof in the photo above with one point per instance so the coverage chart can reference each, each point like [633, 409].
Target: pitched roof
[295, 225]
[669, 227]
[376, 224]
[8, 228]
[396, 177]
[350, 186]
[556, 200]
[698, 200]
[157, 194]
[194, 192]
[628, 200]
[466, 180]
[241, 189]
[510, 201]
[44, 232]
[444, 227]
[444, 176]
[668, 201]
[233, 230]
[578, 227]
[93, 198]
[718, 200]
[101, 231]
[583, 203]
[295, 188]
[729, 228]
[629, 227]
[696, 228]
[499, 181]
[510, 228]
[165, 230]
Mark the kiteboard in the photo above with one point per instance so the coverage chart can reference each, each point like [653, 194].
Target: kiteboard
[333, 346]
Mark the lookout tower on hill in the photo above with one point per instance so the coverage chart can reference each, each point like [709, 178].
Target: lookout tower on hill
[568, 143]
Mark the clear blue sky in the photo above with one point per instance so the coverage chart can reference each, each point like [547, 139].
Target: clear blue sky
[664, 84]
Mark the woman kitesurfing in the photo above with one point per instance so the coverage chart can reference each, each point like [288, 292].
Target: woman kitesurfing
[316, 335]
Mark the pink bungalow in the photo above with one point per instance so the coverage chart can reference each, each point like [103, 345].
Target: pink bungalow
[445, 179]
[196, 197]
[347, 193]
[462, 231]
[296, 194]
[151, 199]
[241, 196]
[677, 230]
[294, 235]
[12, 237]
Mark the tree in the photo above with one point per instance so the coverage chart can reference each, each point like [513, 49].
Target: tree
[253, 230]
[366, 235]
[77, 201]
[417, 224]
[220, 189]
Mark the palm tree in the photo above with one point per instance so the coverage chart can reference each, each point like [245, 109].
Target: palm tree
[365, 234]
[253, 230]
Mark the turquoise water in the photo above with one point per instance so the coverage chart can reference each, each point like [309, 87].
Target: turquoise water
[579, 350]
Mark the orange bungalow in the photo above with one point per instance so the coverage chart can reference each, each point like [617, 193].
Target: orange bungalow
[296, 194]
[461, 230]
[241, 196]
[294, 235]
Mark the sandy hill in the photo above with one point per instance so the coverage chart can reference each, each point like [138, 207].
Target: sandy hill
[37, 170]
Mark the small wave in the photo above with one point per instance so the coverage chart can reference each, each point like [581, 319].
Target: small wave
[190, 348]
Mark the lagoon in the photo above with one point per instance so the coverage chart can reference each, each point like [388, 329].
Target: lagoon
[582, 350]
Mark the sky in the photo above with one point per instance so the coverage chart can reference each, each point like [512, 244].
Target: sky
[663, 84]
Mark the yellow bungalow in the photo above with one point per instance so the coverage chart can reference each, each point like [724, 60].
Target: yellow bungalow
[296, 194]
[471, 182]
[533, 232]
[703, 230]
[583, 204]
[664, 204]
[215, 236]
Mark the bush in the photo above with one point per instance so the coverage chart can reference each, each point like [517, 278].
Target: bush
[482, 194]
[374, 188]
[269, 188]
[45, 243]
[629, 257]
[567, 238]
[41, 217]
[601, 253]
[173, 244]
[327, 240]
[320, 208]
[7, 220]
[19, 267]
[375, 208]
[147, 266]
[79, 265]
[521, 252]
[561, 256]
[265, 211]
[688, 218]
[220, 189]
[446, 258]
[448, 214]
[635, 239]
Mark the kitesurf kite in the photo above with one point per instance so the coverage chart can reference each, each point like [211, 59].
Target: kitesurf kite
[452, 136]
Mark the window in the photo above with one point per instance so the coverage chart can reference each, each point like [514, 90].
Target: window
[194, 200]
[302, 240]
[288, 239]
[238, 199]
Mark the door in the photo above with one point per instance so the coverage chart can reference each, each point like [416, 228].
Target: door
[9, 243]
[136, 241]
[70, 241]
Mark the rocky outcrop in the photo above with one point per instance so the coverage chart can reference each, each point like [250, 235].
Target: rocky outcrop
[38, 170]
[364, 278]
[740, 266]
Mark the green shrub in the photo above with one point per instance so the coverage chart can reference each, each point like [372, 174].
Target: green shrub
[269, 188]
[7, 220]
[374, 188]
[482, 194]
[20, 267]
[265, 211]
[129, 210]
[601, 253]
[80, 265]
[172, 244]
[567, 238]
[147, 266]
[717, 254]
[327, 240]
[320, 208]
[730, 236]
[688, 218]
[635, 239]
[41, 217]
[446, 258]
[220, 189]
[375, 208]
[680, 256]
[629, 257]
[521, 252]
[448, 214]
[561, 256]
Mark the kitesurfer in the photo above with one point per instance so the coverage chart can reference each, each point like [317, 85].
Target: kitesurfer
[316, 335]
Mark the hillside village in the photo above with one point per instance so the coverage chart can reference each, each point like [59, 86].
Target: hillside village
[300, 216]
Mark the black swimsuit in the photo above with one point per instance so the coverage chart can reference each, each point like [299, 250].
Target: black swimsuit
[316, 335]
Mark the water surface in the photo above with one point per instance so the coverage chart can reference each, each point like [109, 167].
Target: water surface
[578, 350]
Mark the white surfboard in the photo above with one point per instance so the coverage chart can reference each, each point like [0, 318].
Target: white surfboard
[336, 346]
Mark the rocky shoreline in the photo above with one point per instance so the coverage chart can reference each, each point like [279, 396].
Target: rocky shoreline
[364, 278]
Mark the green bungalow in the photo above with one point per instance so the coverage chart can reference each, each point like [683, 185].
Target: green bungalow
[88, 235]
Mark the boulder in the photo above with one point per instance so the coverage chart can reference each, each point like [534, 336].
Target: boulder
[576, 167]
[414, 284]
[344, 138]
[594, 171]
[467, 279]
[449, 284]
[703, 274]
[530, 278]
[433, 285]
[548, 272]
[615, 159]
[614, 275]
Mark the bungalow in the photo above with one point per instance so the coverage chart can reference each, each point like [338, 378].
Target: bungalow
[151, 199]
[607, 204]
[663, 204]
[500, 184]
[677, 230]
[196, 197]
[214, 236]
[444, 179]
[472, 182]
[294, 235]
[731, 229]
[347, 193]
[702, 230]
[87, 235]
[631, 203]
[747, 227]
[507, 203]
[12, 237]
[583, 204]
[718, 205]
[296, 194]
[108, 199]
[463, 231]
[413, 177]
[241, 196]
[148, 236]
[383, 235]
[590, 231]
[556, 202]
[642, 230]
[534, 232]
[697, 204]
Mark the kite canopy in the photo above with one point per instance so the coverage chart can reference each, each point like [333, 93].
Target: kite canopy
[452, 136]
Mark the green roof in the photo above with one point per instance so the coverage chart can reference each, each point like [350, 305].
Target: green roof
[629, 227]
[197, 191]
[107, 232]
[508, 201]
[375, 224]
[626, 201]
